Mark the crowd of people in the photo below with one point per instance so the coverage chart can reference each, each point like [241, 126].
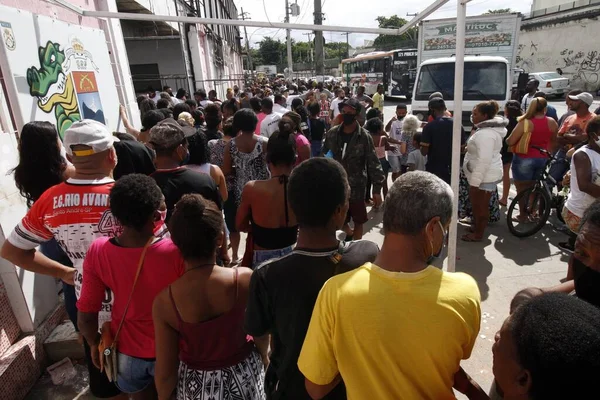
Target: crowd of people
[144, 229]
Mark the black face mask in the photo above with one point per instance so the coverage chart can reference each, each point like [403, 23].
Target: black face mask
[349, 119]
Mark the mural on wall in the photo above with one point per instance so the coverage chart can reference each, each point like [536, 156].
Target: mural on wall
[61, 74]
[66, 84]
[582, 66]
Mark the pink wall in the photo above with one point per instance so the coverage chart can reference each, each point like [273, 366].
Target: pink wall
[42, 7]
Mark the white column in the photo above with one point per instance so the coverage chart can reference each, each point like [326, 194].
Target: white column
[120, 62]
[461, 15]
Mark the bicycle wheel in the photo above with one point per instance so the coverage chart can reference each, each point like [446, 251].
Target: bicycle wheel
[528, 212]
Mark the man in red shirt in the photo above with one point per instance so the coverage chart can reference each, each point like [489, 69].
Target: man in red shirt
[74, 213]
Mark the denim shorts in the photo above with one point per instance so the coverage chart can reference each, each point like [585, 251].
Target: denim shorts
[135, 374]
[385, 165]
[395, 162]
[488, 187]
[527, 169]
[260, 256]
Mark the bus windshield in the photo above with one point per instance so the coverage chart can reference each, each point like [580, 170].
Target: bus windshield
[483, 80]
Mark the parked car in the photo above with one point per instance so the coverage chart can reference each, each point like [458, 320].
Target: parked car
[552, 83]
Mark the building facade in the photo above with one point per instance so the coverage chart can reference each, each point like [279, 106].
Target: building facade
[565, 40]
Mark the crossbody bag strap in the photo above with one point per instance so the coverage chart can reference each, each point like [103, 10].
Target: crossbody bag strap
[137, 275]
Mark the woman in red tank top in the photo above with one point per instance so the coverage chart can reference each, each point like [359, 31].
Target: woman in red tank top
[526, 168]
[202, 350]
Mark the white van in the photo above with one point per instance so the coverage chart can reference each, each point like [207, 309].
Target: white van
[485, 78]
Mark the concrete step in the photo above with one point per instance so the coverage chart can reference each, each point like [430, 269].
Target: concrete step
[64, 342]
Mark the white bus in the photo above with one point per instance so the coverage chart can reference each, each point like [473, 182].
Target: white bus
[395, 70]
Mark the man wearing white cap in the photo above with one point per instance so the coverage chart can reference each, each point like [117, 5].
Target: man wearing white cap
[572, 131]
[75, 213]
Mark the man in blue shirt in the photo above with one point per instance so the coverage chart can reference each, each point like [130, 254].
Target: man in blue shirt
[436, 140]
[550, 110]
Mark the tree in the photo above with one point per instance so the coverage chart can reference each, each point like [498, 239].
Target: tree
[269, 52]
[390, 42]
[499, 11]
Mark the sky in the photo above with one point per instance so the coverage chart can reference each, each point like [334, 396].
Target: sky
[355, 13]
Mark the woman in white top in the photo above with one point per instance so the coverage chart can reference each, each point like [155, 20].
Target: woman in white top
[585, 178]
[483, 163]
[199, 161]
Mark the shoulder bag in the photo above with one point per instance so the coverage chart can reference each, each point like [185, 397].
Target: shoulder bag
[108, 344]
[522, 146]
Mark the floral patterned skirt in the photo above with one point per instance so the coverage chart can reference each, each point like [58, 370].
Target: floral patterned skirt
[465, 210]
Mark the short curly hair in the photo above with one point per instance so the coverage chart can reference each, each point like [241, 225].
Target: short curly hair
[133, 200]
[557, 339]
[196, 226]
[317, 175]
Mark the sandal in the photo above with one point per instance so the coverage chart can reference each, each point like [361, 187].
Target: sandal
[470, 238]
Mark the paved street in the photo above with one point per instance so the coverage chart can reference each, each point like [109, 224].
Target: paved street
[502, 265]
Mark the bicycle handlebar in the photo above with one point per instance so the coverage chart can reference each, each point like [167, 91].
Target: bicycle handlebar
[543, 151]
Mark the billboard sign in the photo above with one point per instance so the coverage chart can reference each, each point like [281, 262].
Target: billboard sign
[479, 33]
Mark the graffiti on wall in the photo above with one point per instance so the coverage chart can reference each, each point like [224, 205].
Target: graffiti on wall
[65, 83]
[583, 68]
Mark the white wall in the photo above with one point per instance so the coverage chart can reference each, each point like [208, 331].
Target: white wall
[166, 53]
[541, 4]
[570, 46]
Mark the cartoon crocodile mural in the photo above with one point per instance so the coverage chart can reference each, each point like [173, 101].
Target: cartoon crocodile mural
[53, 87]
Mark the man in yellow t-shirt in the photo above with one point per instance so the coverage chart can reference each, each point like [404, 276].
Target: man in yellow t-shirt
[378, 98]
[399, 327]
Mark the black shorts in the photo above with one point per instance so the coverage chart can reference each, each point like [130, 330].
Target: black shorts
[100, 386]
[357, 212]
[230, 211]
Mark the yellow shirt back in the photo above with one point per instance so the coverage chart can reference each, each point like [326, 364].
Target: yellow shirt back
[392, 335]
[378, 101]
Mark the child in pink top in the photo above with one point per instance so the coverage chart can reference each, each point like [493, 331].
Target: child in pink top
[110, 267]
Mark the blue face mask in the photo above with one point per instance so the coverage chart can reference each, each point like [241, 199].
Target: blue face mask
[434, 255]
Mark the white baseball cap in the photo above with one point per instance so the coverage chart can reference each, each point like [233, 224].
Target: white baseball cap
[585, 97]
[91, 133]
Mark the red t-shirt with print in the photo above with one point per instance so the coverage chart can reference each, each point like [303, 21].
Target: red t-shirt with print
[75, 213]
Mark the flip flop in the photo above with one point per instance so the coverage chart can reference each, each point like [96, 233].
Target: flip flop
[470, 238]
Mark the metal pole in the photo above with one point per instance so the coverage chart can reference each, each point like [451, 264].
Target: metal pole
[461, 15]
[250, 66]
[288, 38]
[261, 24]
[319, 50]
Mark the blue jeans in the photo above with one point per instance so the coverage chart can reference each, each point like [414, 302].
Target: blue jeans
[315, 147]
[260, 256]
[134, 374]
[53, 251]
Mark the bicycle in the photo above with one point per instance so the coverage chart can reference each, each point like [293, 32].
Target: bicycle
[538, 201]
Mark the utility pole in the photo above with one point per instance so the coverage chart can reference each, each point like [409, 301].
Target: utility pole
[288, 38]
[347, 34]
[250, 66]
[310, 55]
[319, 50]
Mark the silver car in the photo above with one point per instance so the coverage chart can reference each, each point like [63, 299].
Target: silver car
[552, 83]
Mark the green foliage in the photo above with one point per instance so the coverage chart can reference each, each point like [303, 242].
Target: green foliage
[274, 52]
[499, 11]
[269, 52]
[390, 42]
